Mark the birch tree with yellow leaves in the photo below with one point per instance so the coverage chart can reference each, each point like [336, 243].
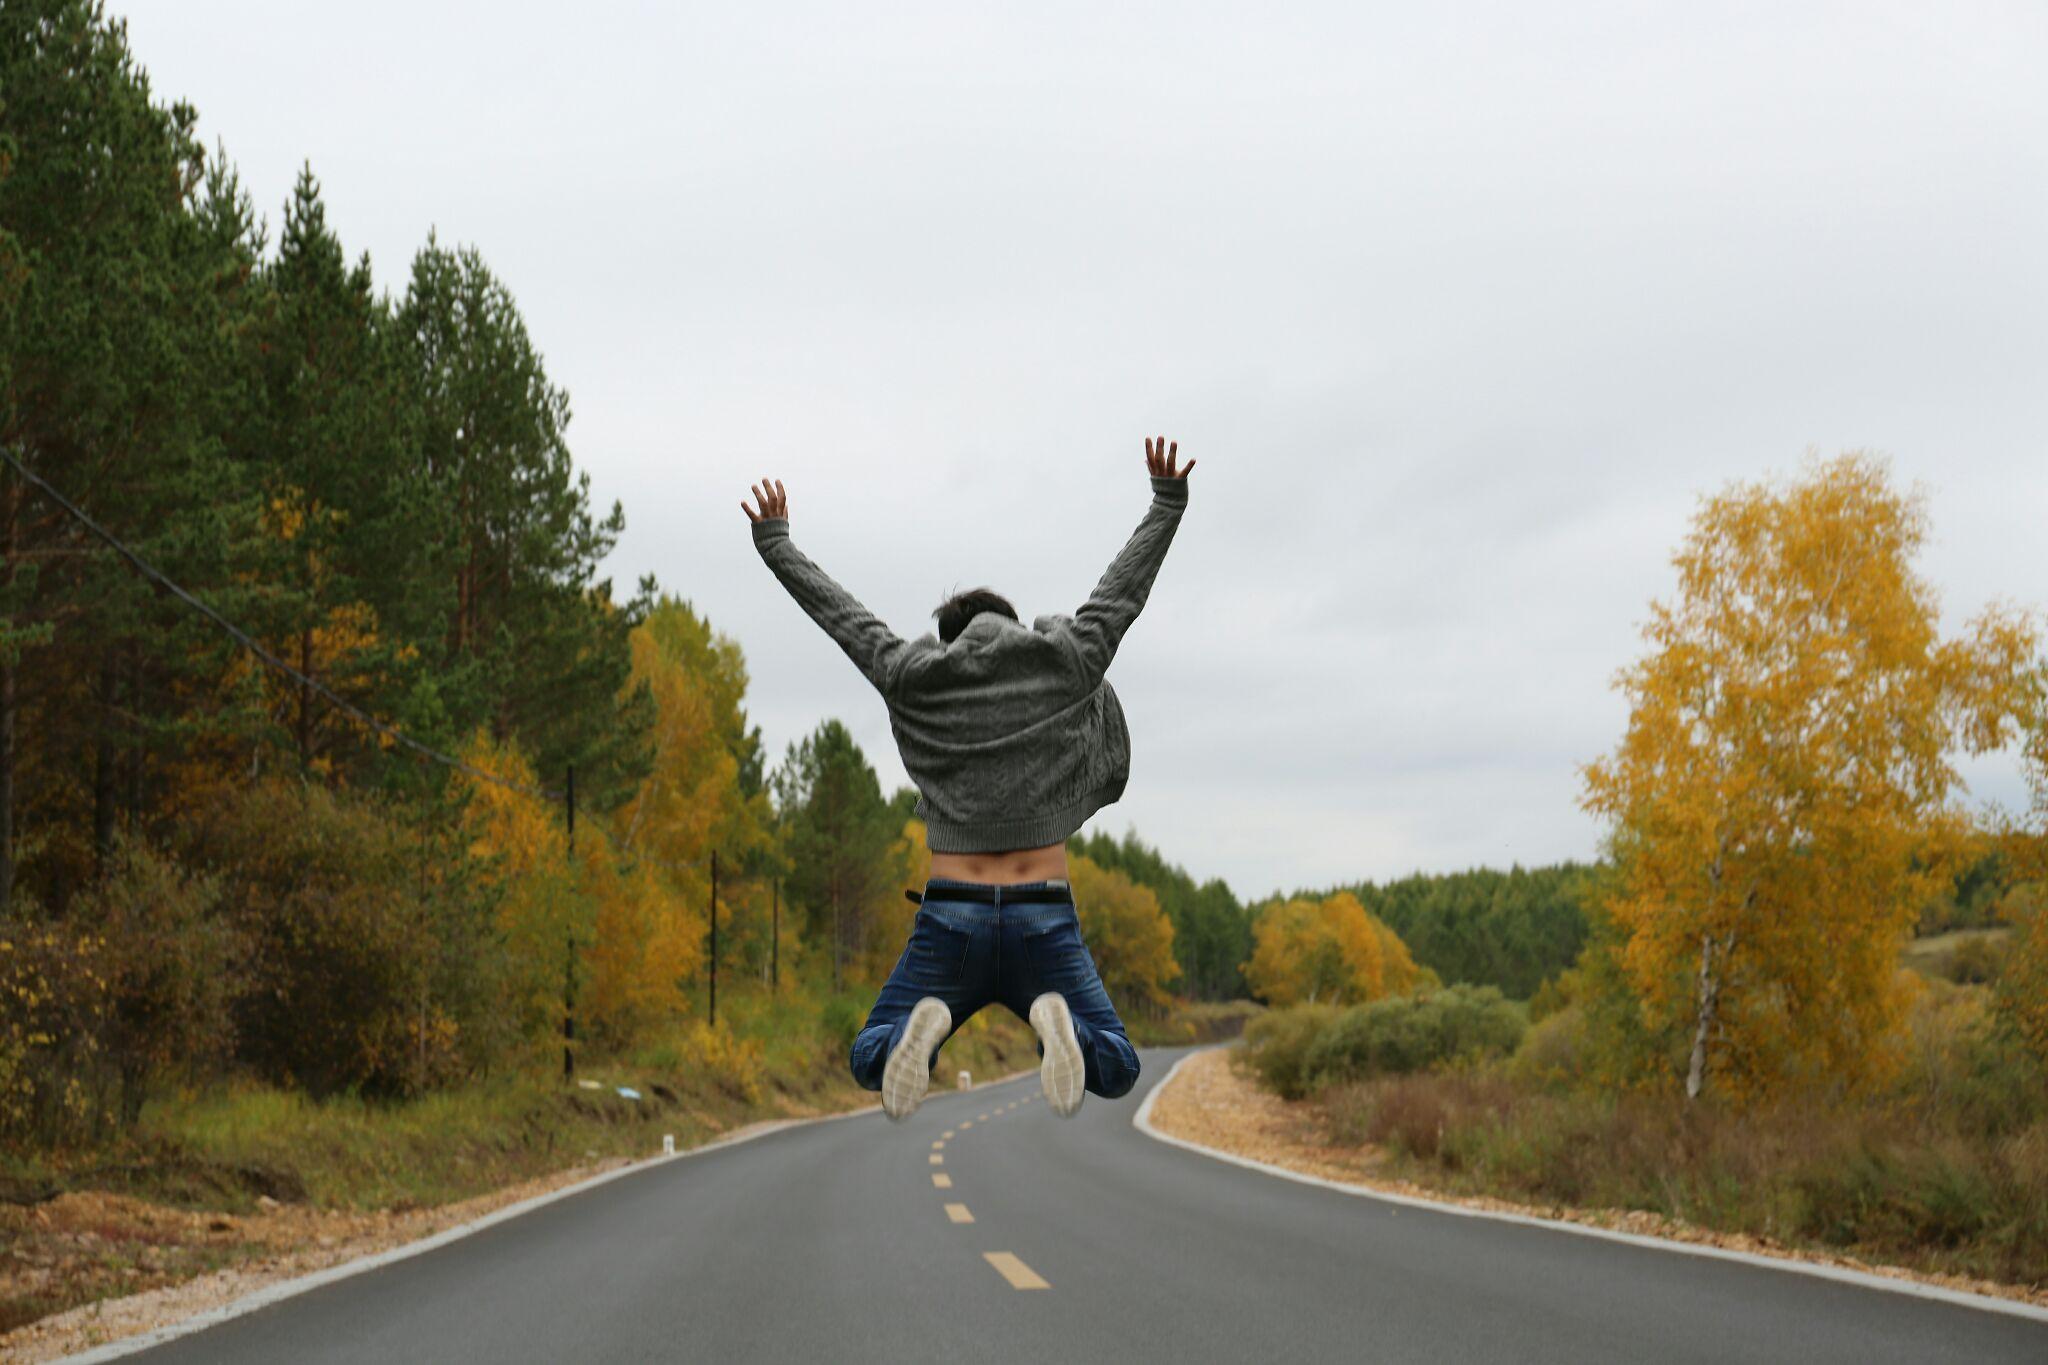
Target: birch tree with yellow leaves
[1782, 798]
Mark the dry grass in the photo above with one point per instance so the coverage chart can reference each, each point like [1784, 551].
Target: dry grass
[1946, 1170]
[1361, 1135]
[1890, 1181]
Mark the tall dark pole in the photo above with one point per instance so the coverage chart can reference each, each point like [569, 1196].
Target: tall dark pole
[775, 943]
[714, 938]
[569, 963]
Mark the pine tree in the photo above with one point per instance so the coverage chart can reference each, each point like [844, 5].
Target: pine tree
[840, 836]
[546, 644]
[117, 338]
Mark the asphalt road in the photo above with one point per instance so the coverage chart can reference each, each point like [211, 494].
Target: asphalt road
[832, 1242]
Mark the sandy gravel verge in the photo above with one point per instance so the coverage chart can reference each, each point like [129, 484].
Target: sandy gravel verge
[1211, 1104]
[290, 1241]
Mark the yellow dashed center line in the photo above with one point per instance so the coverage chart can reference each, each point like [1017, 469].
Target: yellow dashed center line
[958, 1213]
[948, 1133]
[939, 1146]
[938, 1160]
[981, 1118]
[1019, 1275]
[941, 1181]
[968, 1124]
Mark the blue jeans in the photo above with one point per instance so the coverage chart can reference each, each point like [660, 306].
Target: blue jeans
[969, 954]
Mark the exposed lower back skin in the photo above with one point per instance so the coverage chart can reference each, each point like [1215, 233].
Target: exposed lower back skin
[1009, 867]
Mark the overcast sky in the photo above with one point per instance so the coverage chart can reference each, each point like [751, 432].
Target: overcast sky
[1459, 308]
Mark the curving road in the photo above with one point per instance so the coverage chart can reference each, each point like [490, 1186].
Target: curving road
[834, 1242]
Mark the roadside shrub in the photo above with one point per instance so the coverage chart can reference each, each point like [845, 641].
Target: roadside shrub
[1920, 1179]
[1416, 1114]
[1997, 1085]
[841, 1019]
[730, 1063]
[53, 1003]
[1556, 1050]
[349, 956]
[1975, 961]
[170, 962]
[1412, 1033]
[1277, 1045]
[2022, 994]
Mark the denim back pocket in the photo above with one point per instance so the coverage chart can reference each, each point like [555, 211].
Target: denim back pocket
[938, 952]
[1058, 956]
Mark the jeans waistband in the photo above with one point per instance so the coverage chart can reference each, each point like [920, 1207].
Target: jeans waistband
[1054, 891]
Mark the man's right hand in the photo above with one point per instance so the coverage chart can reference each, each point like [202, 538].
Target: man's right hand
[1160, 457]
[774, 502]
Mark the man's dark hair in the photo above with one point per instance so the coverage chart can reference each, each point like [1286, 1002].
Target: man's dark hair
[956, 611]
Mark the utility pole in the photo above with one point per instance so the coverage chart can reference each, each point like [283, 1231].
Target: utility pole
[569, 963]
[714, 938]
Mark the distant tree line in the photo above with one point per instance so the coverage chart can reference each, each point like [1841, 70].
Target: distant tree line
[1512, 929]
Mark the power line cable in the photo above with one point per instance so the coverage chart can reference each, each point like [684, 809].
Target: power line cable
[250, 643]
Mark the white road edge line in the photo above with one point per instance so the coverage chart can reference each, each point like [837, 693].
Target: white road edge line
[1142, 1121]
[286, 1289]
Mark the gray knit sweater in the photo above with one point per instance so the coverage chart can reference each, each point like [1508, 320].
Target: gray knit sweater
[1012, 734]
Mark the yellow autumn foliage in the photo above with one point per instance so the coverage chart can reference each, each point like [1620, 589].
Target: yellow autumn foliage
[1779, 804]
[1127, 933]
[1328, 951]
[889, 922]
[635, 941]
[691, 801]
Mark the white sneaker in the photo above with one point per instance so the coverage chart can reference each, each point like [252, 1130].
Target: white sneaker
[1062, 1073]
[908, 1073]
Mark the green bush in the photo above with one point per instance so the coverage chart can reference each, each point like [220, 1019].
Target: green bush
[170, 962]
[1414, 1033]
[1555, 1049]
[842, 1017]
[1277, 1045]
[358, 966]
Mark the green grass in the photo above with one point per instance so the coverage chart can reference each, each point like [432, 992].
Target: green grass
[222, 1146]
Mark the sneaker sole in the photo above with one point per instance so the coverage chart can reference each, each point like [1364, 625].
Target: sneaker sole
[1062, 1074]
[908, 1074]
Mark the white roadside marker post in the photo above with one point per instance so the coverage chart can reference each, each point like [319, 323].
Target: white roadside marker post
[966, 1081]
[668, 1144]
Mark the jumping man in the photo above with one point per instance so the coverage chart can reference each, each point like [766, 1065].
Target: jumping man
[1014, 738]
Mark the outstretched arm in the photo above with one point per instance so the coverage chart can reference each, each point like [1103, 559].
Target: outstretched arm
[1099, 625]
[873, 647]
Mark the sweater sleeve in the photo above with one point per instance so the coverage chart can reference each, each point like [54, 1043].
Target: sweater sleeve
[874, 648]
[1099, 626]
